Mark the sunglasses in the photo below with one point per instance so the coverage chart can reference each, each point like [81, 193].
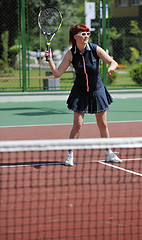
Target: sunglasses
[83, 34]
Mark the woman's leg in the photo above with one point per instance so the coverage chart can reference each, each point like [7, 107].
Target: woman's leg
[77, 125]
[104, 132]
[102, 124]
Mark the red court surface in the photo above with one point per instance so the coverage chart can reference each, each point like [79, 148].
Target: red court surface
[90, 201]
[117, 129]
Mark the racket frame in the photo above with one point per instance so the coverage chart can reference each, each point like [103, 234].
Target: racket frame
[47, 34]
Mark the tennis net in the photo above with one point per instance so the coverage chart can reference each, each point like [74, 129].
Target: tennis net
[41, 198]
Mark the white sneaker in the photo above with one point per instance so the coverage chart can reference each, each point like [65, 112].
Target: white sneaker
[69, 159]
[111, 157]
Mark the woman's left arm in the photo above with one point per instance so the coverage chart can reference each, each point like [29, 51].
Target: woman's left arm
[106, 58]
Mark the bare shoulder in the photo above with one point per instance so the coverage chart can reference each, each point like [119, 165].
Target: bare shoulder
[104, 56]
[101, 53]
[99, 50]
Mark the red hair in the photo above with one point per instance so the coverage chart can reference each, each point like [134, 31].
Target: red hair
[74, 30]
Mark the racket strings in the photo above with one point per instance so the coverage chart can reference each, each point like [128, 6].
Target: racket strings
[50, 20]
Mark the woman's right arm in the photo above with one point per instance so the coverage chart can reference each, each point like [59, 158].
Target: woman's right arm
[57, 72]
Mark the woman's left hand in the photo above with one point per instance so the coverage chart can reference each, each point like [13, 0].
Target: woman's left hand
[110, 71]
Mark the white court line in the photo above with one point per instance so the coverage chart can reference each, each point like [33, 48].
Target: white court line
[66, 124]
[62, 163]
[119, 168]
[31, 165]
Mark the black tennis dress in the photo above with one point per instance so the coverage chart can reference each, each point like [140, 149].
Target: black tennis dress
[88, 94]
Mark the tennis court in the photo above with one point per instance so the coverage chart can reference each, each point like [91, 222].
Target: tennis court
[43, 199]
[47, 117]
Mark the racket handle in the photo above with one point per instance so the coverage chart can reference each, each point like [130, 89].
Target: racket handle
[48, 57]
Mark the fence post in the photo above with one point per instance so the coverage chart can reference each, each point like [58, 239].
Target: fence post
[104, 41]
[23, 44]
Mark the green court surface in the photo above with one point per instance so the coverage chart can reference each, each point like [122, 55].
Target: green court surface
[56, 112]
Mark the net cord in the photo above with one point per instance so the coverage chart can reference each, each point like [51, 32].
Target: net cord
[64, 144]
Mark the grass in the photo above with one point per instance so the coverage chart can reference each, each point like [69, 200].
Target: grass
[123, 80]
[66, 81]
[124, 77]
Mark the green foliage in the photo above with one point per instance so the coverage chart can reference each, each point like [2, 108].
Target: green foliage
[61, 42]
[114, 34]
[4, 59]
[123, 61]
[9, 70]
[136, 73]
[135, 31]
[14, 49]
[5, 37]
[72, 12]
[111, 78]
[135, 28]
[131, 36]
[134, 55]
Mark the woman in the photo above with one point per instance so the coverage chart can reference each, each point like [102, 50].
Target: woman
[88, 94]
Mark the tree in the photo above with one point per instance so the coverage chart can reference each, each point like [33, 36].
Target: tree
[9, 21]
[72, 15]
[136, 32]
[135, 28]
[114, 35]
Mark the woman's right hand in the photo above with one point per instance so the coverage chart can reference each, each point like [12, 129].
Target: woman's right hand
[48, 54]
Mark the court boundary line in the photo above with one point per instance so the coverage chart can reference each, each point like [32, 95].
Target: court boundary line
[62, 124]
[120, 168]
[65, 92]
[39, 164]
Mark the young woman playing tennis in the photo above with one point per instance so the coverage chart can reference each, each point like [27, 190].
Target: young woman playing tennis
[88, 94]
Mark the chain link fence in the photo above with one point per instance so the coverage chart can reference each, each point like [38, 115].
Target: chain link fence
[115, 26]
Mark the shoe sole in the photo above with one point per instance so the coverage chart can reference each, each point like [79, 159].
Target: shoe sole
[67, 164]
[114, 161]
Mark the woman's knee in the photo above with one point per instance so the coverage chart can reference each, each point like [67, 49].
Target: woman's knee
[78, 121]
[77, 126]
[102, 120]
[102, 125]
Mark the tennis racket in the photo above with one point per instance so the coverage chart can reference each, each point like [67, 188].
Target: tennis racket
[49, 21]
